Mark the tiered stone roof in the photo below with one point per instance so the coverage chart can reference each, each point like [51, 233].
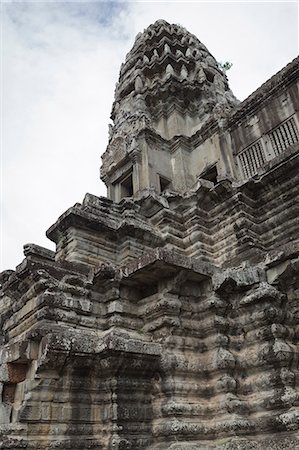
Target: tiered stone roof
[166, 64]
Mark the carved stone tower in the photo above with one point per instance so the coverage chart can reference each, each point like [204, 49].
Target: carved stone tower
[170, 86]
[167, 317]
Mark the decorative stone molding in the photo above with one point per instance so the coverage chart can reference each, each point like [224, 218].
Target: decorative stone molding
[167, 319]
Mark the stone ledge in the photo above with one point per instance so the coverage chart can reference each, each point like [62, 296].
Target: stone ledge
[156, 264]
[79, 342]
[37, 250]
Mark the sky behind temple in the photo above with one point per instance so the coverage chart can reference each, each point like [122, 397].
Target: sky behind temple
[60, 63]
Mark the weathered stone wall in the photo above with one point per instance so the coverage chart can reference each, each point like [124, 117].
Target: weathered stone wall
[176, 100]
[268, 118]
[167, 352]
[166, 320]
[225, 223]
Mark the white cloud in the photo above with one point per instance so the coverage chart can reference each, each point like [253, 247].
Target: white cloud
[60, 65]
[59, 71]
[259, 38]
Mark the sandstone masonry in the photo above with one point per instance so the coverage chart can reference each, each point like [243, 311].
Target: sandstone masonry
[168, 316]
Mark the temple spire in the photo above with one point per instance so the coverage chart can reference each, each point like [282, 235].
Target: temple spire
[169, 84]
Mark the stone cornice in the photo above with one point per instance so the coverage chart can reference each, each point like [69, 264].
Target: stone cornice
[275, 84]
[82, 217]
[159, 263]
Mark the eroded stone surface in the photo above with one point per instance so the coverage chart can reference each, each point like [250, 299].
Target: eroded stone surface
[167, 317]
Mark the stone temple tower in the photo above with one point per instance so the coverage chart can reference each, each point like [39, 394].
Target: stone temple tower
[167, 316]
[170, 86]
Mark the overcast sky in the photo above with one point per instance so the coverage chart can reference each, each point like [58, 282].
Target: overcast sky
[60, 62]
